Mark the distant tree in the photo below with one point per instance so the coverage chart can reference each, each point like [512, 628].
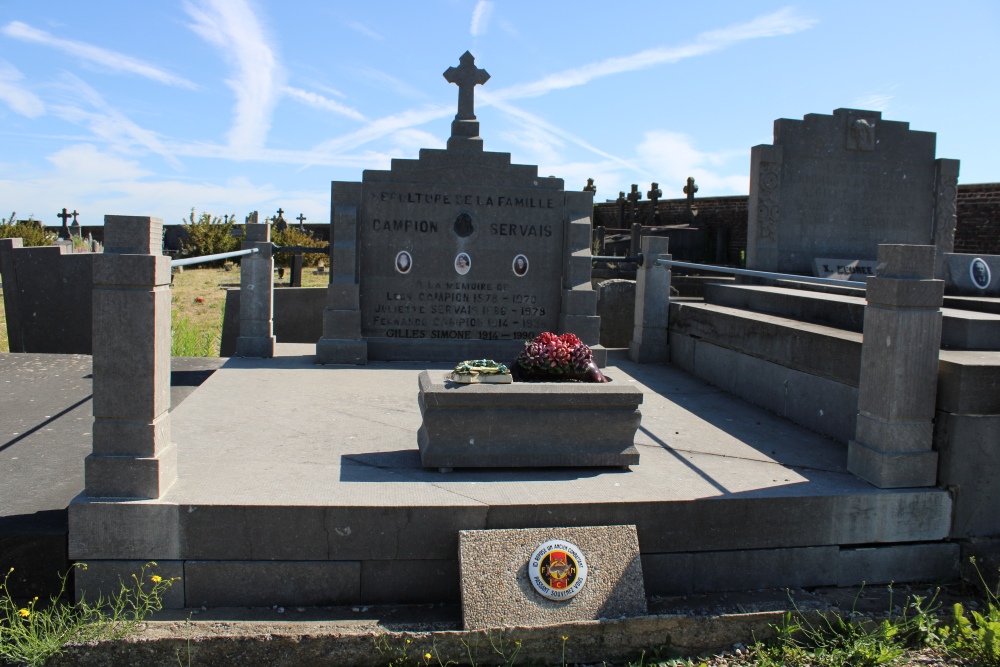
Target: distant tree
[30, 231]
[208, 235]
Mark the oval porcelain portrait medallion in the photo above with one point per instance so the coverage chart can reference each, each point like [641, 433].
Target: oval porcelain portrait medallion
[557, 570]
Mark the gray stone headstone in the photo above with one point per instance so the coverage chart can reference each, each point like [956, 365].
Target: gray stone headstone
[497, 592]
[459, 254]
[840, 185]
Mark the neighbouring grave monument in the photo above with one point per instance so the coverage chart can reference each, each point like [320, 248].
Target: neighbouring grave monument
[830, 189]
[456, 255]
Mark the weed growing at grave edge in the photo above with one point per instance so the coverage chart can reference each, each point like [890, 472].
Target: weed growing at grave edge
[976, 639]
[834, 640]
[32, 633]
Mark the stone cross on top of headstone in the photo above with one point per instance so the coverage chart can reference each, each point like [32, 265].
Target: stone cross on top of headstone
[689, 190]
[75, 227]
[65, 215]
[633, 202]
[590, 187]
[466, 76]
[654, 195]
[301, 219]
[279, 221]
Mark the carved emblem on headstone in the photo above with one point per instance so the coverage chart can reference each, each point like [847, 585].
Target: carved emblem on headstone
[768, 209]
[557, 570]
[861, 134]
[463, 225]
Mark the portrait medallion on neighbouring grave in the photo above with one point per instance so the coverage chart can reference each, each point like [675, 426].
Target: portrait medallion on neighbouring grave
[979, 272]
[557, 570]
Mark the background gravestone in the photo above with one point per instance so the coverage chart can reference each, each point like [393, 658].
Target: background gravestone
[456, 255]
[838, 186]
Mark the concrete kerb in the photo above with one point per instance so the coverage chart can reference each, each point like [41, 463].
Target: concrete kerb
[318, 643]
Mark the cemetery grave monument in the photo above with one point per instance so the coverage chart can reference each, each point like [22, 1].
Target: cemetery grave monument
[459, 254]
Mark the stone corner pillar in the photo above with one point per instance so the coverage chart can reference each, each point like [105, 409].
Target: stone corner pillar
[132, 454]
[652, 304]
[892, 447]
[342, 342]
[256, 337]
[578, 305]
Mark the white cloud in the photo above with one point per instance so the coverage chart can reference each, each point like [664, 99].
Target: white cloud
[481, 18]
[233, 28]
[873, 102]
[19, 99]
[383, 127]
[673, 157]
[95, 54]
[97, 183]
[110, 124]
[364, 30]
[317, 101]
[389, 82]
[782, 22]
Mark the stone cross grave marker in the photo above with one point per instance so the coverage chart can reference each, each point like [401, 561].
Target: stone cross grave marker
[456, 255]
[75, 227]
[65, 215]
[301, 220]
[654, 195]
[633, 204]
[690, 189]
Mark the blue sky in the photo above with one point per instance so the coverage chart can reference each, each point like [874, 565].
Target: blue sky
[228, 106]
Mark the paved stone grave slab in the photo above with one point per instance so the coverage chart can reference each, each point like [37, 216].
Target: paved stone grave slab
[844, 269]
[526, 424]
[840, 185]
[595, 570]
[457, 255]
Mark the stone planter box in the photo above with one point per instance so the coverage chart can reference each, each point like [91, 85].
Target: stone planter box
[526, 424]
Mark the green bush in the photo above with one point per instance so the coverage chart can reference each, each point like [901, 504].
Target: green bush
[30, 231]
[292, 236]
[208, 235]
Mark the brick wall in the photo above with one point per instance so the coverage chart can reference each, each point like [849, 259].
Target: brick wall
[977, 230]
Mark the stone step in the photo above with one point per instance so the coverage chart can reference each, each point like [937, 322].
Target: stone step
[828, 352]
[961, 329]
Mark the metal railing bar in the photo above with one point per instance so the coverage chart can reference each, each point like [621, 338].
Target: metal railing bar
[301, 248]
[211, 258]
[762, 274]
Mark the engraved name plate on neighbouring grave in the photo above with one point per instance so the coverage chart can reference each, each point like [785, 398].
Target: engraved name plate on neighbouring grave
[496, 568]
[844, 269]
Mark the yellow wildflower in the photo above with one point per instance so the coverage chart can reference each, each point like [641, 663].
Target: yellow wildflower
[408, 641]
[156, 578]
[427, 656]
[565, 638]
[24, 613]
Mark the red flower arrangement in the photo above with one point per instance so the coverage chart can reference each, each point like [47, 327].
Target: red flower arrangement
[554, 357]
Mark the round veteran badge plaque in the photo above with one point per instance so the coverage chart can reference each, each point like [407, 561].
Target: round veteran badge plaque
[557, 570]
